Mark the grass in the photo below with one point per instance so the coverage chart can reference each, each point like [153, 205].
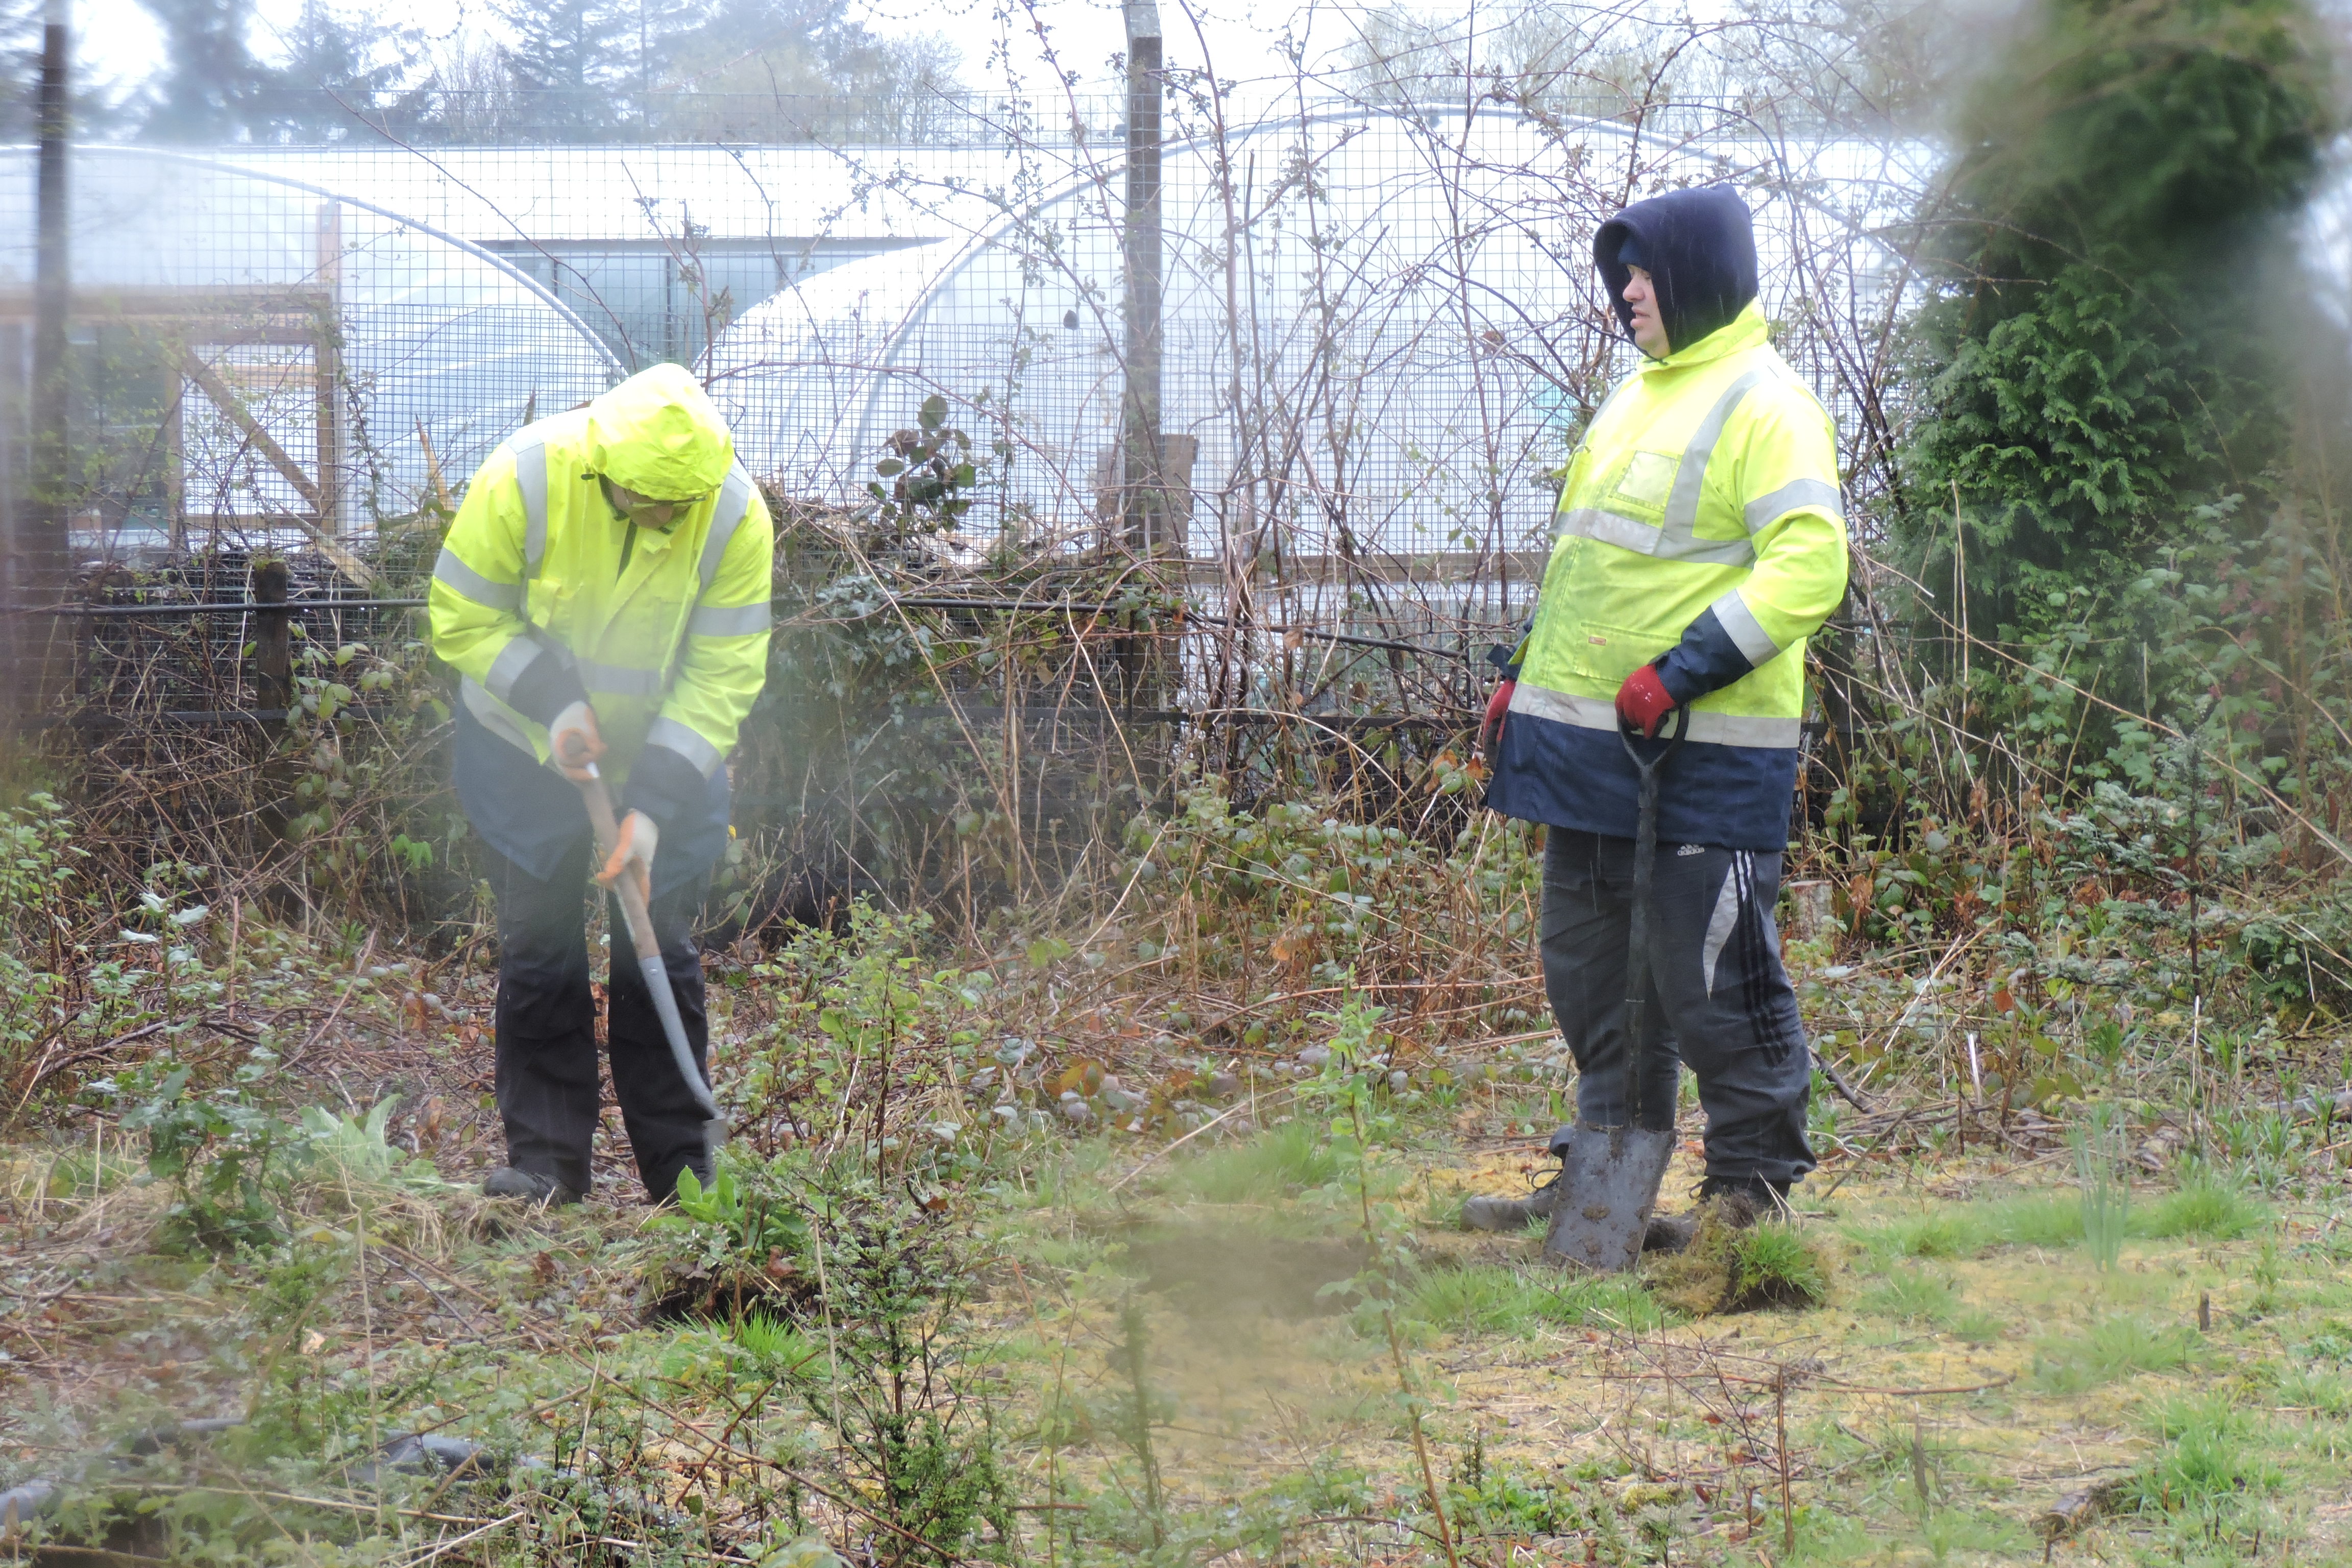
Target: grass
[1275, 1165]
[1911, 1296]
[2203, 1206]
[2119, 1347]
[1971, 1230]
[2210, 1450]
[1496, 1298]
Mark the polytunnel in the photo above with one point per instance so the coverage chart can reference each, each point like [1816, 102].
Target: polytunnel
[1386, 361]
[254, 355]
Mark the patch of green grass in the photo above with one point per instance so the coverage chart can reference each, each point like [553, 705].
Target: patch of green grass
[1955, 1230]
[1913, 1298]
[1975, 1327]
[2035, 1221]
[2321, 1391]
[2205, 1207]
[2210, 1450]
[1266, 1168]
[2119, 1347]
[1489, 1298]
[1773, 1263]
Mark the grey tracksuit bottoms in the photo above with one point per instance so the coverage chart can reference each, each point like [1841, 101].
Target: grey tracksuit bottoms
[1720, 1000]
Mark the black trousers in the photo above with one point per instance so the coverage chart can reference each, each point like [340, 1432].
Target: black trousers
[1719, 999]
[549, 1097]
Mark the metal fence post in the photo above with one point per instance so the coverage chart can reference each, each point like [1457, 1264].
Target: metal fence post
[39, 569]
[1142, 492]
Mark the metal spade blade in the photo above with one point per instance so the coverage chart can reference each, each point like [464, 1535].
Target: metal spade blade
[1610, 1178]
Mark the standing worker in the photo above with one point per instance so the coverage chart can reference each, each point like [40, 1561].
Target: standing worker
[1700, 541]
[603, 592]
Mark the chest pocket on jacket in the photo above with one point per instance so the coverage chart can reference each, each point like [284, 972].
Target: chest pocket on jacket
[1648, 479]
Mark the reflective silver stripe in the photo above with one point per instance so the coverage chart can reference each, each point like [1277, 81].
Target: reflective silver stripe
[1681, 520]
[1611, 528]
[1746, 634]
[1797, 495]
[531, 475]
[734, 506]
[620, 679]
[681, 739]
[1707, 728]
[493, 717]
[1643, 538]
[461, 579]
[507, 667]
[728, 621]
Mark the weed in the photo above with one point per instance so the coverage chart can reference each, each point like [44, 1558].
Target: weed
[2203, 1206]
[896, 1383]
[220, 1149]
[1358, 1116]
[742, 1241]
[2120, 1347]
[2099, 1155]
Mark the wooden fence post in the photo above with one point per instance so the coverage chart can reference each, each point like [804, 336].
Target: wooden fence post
[273, 643]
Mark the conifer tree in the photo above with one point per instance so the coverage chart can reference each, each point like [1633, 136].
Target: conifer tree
[2098, 362]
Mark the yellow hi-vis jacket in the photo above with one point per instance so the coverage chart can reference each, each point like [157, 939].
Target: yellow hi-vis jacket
[1699, 530]
[666, 631]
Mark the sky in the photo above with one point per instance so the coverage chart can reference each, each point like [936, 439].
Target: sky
[118, 39]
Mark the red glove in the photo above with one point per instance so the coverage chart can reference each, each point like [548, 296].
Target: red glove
[1644, 701]
[1490, 733]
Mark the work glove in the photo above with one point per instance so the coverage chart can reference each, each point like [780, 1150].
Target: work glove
[1498, 706]
[576, 742]
[1644, 700]
[633, 855]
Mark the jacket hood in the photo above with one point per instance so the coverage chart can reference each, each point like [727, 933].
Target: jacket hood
[659, 434]
[1699, 249]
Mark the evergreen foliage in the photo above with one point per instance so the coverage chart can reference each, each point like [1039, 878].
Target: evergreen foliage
[211, 85]
[2101, 367]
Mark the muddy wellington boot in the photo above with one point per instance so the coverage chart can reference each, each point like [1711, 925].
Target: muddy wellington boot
[1504, 1217]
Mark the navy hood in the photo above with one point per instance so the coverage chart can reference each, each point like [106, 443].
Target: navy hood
[1699, 249]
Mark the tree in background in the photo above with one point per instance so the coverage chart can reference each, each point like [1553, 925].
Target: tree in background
[211, 85]
[758, 68]
[2101, 375]
[573, 60]
[336, 66]
[20, 67]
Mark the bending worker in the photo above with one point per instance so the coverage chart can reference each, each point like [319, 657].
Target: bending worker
[603, 593]
[1700, 541]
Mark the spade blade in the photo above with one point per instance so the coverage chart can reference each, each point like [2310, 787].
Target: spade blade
[1610, 1178]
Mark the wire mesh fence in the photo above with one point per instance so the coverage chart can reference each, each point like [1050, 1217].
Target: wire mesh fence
[1377, 336]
